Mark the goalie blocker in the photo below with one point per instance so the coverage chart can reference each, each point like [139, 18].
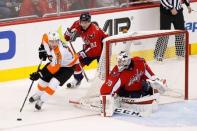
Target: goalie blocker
[131, 84]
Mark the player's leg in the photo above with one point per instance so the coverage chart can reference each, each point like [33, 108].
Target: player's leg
[179, 39]
[78, 75]
[160, 48]
[144, 100]
[40, 90]
[48, 91]
[58, 80]
[144, 90]
[161, 44]
[42, 84]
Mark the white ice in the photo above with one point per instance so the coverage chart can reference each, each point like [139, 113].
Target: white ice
[58, 114]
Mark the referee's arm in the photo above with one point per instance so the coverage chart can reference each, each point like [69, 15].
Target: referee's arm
[166, 4]
[187, 3]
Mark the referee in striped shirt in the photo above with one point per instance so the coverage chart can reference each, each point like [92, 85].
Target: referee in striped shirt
[171, 12]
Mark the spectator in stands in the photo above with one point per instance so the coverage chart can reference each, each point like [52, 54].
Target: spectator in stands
[76, 5]
[36, 7]
[64, 4]
[82, 4]
[106, 3]
[126, 3]
[7, 9]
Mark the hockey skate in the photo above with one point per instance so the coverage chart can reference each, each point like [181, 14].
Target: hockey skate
[38, 104]
[34, 98]
[75, 83]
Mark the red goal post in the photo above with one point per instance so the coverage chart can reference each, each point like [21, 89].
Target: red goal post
[105, 63]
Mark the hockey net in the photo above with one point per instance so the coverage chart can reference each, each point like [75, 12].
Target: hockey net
[166, 52]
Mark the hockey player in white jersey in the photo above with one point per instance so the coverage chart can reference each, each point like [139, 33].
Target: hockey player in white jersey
[56, 72]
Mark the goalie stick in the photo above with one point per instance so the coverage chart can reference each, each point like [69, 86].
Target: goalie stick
[119, 110]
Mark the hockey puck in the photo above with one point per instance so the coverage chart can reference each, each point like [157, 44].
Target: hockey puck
[19, 119]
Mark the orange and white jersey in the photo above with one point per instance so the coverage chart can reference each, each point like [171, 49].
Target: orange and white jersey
[61, 56]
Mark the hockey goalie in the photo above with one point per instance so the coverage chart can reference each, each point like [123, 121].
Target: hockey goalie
[131, 88]
[131, 85]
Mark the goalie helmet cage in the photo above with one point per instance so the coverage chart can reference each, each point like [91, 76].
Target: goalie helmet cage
[144, 44]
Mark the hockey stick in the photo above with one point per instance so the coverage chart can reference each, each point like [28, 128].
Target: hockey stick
[65, 42]
[79, 63]
[119, 110]
[21, 109]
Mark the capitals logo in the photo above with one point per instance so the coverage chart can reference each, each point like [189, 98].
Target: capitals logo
[91, 36]
[135, 78]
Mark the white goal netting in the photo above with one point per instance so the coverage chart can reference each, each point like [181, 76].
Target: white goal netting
[166, 52]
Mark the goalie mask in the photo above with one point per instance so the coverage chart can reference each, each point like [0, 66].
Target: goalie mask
[123, 60]
[53, 39]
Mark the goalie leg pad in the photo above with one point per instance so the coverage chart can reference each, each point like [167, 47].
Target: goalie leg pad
[150, 108]
[153, 107]
[109, 104]
[143, 104]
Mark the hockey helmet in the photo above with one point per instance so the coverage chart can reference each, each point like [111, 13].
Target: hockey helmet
[53, 36]
[53, 39]
[85, 17]
[123, 60]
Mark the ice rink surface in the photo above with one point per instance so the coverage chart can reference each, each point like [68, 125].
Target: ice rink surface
[58, 114]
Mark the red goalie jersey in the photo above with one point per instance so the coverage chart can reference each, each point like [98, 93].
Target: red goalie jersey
[92, 38]
[131, 78]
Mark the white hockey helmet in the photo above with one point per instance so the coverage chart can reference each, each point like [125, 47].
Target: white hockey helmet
[123, 60]
[53, 36]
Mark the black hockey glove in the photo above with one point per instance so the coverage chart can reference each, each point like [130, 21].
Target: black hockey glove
[42, 53]
[72, 34]
[82, 54]
[34, 76]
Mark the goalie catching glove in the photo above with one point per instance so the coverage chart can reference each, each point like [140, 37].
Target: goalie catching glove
[158, 84]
